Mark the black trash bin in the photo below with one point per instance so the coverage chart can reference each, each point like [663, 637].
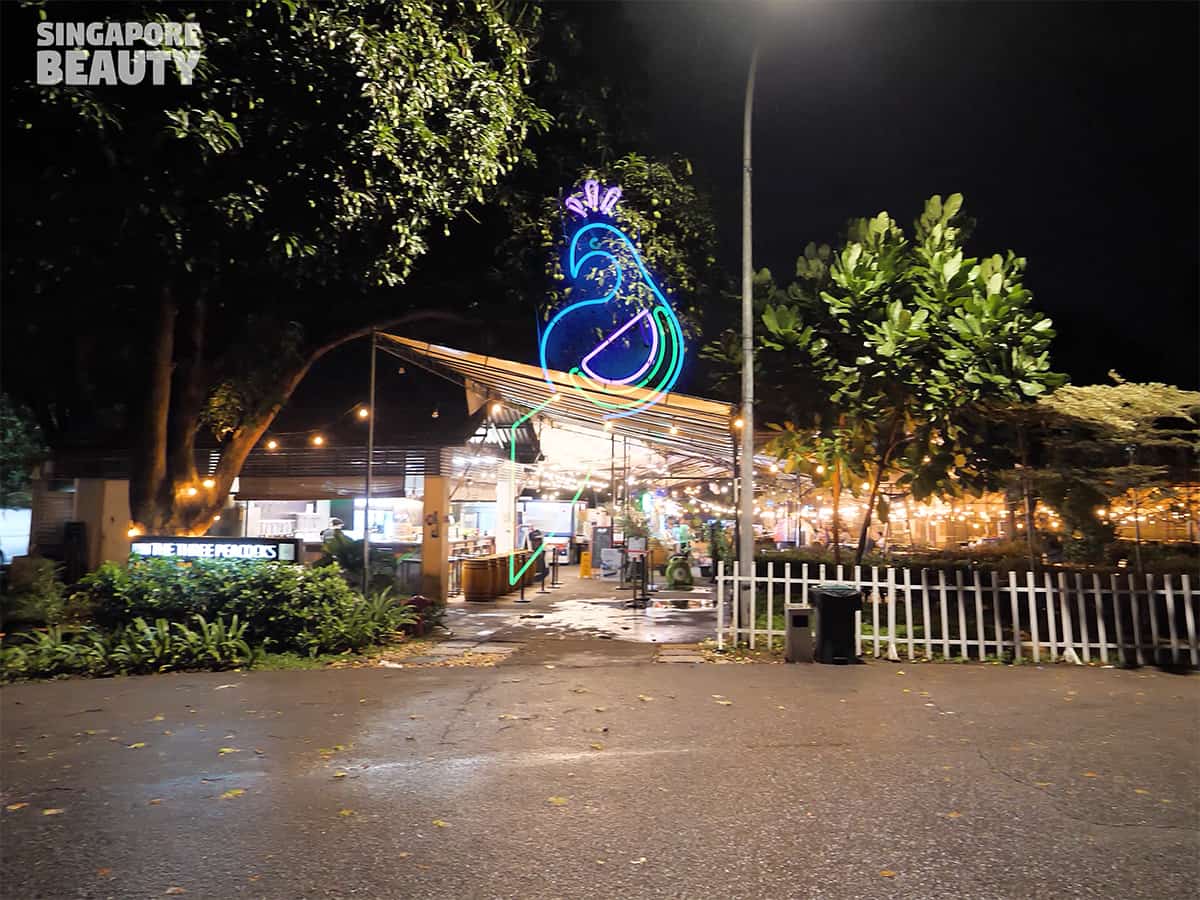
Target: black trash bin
[836, 605]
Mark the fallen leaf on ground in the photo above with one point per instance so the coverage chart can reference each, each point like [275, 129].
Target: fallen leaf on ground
[953, 815]
[596, 746]
[158, 718]
[345, 813]
[176, 890]
[416, 717]
[906, 690]
[104, 872]
[887, 873]
[781, 707]
[339, 774]
[168, 732]
[578, 690]
[221, 687]
[599, 862]
[155, 801]
[718, 696]
[506, 716]
[900, 672]
[1090, 775]
[557, 801]
[226, 750]
[644, 698]
[1164, 800]
[13, 807]
[1140, 791]
[231, 793]
[601, 708]
[403, 854]
[725, 703]
[548, 666]
[639, 861]
[52, 812]
[438, 823]
[138, 746]
[1043, 783]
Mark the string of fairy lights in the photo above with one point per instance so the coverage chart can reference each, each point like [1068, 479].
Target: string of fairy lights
[1169, 510]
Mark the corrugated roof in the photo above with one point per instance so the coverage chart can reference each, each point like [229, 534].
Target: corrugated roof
[680, 424]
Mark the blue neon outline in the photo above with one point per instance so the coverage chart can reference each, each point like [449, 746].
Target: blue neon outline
[575, 265]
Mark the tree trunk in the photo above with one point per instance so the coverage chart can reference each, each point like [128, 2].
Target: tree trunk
[837, 514]
[884, 462]
[1030, 536]
[172, 509]
[148, 469]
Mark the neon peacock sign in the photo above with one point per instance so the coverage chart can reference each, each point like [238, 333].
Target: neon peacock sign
[619, 340]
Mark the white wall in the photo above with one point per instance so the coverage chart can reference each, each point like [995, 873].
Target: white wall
[14, 532]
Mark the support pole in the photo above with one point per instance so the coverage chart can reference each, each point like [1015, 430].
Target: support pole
[746, 513]
[366, 579]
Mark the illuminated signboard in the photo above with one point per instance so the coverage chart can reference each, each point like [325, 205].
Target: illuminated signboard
[276, 549]
[619, 339]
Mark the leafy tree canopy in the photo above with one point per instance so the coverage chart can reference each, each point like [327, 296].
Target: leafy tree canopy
[238, 225]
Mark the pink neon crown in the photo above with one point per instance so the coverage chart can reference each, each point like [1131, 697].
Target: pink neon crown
[591, 199]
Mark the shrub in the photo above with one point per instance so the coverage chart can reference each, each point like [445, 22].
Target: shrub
[281, 606]
[141, 647]
[34, 596]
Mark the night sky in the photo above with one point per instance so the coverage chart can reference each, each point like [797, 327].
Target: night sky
[1070, 128]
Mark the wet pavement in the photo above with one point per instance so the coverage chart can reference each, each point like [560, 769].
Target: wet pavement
[575, 772]
[587, 608]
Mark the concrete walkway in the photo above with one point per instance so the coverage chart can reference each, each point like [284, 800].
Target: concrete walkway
[591, 611]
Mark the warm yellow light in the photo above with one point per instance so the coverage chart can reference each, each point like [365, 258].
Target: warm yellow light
[554, 398]
[497, 409]
[217, 518]
[820, 470]
[363, 412]
[774, 468]
[738, 423]
[608, 426]
[272, 444]
[866, 485]
[192, 492]
[674, 429]
[133, 531]
[208, 483]
[318, 440]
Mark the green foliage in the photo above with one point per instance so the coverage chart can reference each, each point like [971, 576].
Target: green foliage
[139, 648]
[34, 595]
[21, 448]
[283, 607]
[347, 554]
[883, 347]
[668, 219]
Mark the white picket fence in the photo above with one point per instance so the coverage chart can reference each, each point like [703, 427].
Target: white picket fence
[918, 614]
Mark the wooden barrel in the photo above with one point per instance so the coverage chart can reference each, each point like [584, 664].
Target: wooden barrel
[476, 579]
[498, 570]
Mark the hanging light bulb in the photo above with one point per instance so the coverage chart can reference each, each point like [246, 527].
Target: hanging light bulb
[318, 440]
[434, 414]
[497, 408]
[209, 483]
[272, 444]
[363, 412]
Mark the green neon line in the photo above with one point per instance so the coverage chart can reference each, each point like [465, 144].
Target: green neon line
[512, 475]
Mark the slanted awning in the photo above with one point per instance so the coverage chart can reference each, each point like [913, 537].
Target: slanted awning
[691, 431]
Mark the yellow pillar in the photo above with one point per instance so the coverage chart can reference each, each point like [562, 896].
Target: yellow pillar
[435, 544]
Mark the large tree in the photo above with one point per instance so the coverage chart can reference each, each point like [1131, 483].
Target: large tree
[209, 242]
[901, 339]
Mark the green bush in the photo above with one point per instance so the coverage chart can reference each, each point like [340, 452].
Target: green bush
[141, 647]
[283, 607]
[34, 595]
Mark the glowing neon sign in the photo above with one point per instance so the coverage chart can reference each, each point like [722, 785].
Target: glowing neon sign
[623, 349]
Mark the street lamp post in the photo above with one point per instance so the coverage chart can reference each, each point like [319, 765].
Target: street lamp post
[366, 579]
[746, 513]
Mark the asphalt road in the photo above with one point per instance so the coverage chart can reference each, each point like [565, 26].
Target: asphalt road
[605, 777]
